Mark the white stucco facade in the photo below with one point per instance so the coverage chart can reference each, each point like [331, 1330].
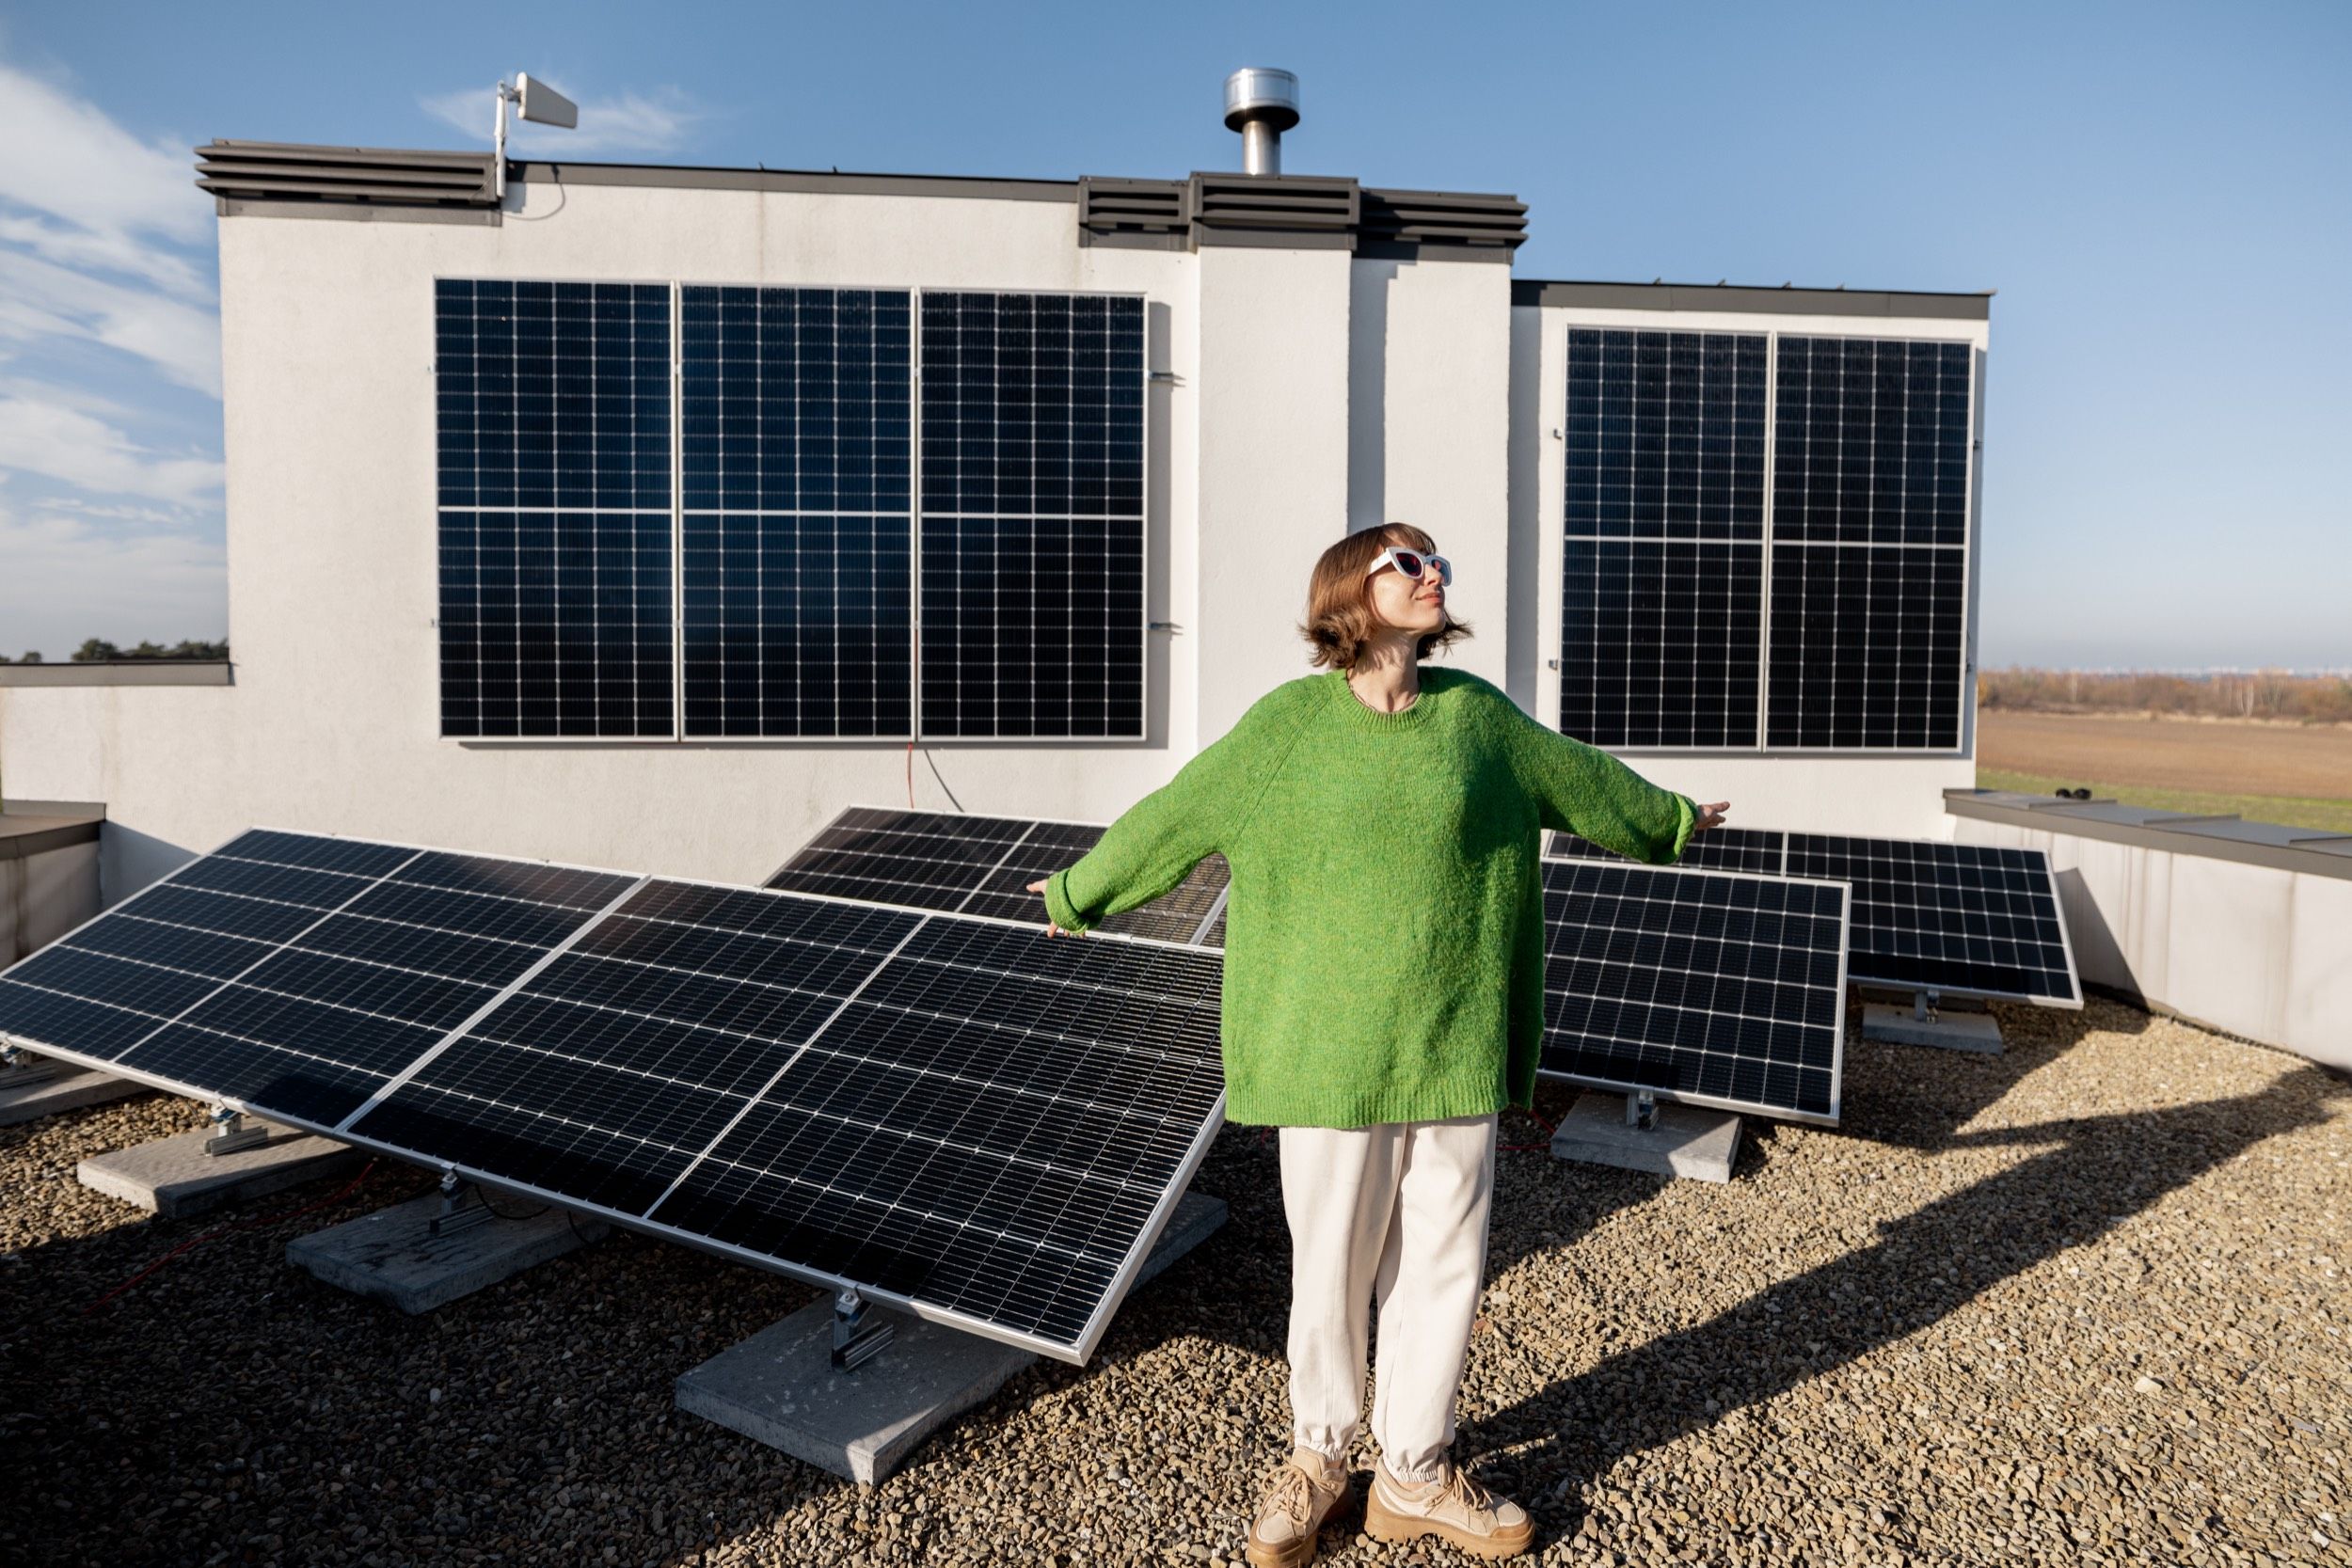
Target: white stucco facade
[1306, 391]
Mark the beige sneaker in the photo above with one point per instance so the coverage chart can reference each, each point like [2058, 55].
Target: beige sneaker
[1454, 1509]
[1306, 1492]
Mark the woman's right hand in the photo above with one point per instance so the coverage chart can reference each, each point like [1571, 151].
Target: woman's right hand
[1051, 930]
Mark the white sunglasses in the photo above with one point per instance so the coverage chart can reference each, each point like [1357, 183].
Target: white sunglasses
[1412, 564]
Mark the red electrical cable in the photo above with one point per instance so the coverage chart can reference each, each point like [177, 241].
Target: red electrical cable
[241, 1225]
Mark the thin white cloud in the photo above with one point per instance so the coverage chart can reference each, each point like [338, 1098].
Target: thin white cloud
[100, 234]
[67, 580]
[660, 121]
[66, 445]
[69, 160]
[41, 299]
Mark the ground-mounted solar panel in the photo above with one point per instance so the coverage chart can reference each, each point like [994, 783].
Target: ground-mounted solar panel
[1712, 988]
[1871, 453]
[1958, 919]
[797, 553]
[1663, 592]
[984, 865]
[1961, 919]
[944, 1111]
[1032, 532]
[554, 427]
[296, 973]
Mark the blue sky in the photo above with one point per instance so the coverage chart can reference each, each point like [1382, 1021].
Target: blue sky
[2162, 195]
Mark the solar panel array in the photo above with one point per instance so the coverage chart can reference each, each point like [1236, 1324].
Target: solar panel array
[554, 508]
[935, 1108]
[1705, 608]
[1723, 990]
[773, 592]
[1712, 988]
[984, 865]
[1966, 919]
[1033, 527]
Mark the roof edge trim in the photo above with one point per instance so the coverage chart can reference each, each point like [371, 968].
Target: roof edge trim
[1753, 299]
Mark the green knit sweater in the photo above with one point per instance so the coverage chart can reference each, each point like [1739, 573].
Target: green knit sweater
[1384, 949]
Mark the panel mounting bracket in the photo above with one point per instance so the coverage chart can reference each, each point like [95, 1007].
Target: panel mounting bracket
[454, 1217]
[230, 1132]
[859, 1332]
[1641, 1111]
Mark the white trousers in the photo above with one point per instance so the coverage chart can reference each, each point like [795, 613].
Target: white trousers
[1396, 1211]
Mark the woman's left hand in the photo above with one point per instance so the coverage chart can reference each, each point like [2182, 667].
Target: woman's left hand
[1709, 817]
[1051, 930]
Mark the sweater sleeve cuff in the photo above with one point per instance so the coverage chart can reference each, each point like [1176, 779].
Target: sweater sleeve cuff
[1057, 904]
[1689, 808]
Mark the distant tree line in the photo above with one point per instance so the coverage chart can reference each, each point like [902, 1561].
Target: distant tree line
[2265, 694]
[97, 650]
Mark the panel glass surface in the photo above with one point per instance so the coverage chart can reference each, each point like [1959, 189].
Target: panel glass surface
[1694, 984]
[296, 975]
[1966, 918]
[798, 554]
[1751, 849]
[980, 865]
[1032, 528]
[988, 1127]
[1870, 463]
[1663, 596]
[553, 420]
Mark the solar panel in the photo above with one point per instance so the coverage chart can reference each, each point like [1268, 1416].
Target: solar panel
[983, 865]
[944, 1111]
[796, 554]
[554, 427]
[1961, 919]
[294, 972]
[1663, 596]
[1870, 543]
[1964, 919]
[1032, 535]
[1712, 988]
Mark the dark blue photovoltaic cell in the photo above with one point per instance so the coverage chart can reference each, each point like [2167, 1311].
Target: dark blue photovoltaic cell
[1867, 646]
[1032, 575]
[1756, 849]
[1661, 642]
[798, 553]
[1871, 445]
[355, 856]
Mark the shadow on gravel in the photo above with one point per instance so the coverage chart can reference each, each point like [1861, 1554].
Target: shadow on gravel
[1925, 1266]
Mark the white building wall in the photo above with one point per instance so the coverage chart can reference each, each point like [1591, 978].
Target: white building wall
[1878, 796]
[332, 724]
[2257, 950]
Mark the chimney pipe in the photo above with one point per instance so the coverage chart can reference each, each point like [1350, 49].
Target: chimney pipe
[1261, 105]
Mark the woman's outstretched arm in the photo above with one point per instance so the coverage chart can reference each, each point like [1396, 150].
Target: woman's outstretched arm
[1583, 790]
[1157, 841]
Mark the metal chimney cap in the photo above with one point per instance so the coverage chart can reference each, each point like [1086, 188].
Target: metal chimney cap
[1256, 92]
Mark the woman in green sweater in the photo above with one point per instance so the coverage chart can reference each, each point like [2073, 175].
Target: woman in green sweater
[1383, 1001]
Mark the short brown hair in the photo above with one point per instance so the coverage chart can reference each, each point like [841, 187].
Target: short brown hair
[1340, 618]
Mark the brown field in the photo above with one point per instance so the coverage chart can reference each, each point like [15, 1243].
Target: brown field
[2220, 756]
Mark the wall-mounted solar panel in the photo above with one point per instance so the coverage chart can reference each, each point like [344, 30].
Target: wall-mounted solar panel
[1871, 452]
[1712, 988]
[796, 419]
[1032, 535]
[554, 508]
[984, 865]
[1961, 919]
[951, 1114]
[1663, 596]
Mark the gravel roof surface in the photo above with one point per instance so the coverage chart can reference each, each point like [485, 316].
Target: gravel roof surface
[2083, 1302]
